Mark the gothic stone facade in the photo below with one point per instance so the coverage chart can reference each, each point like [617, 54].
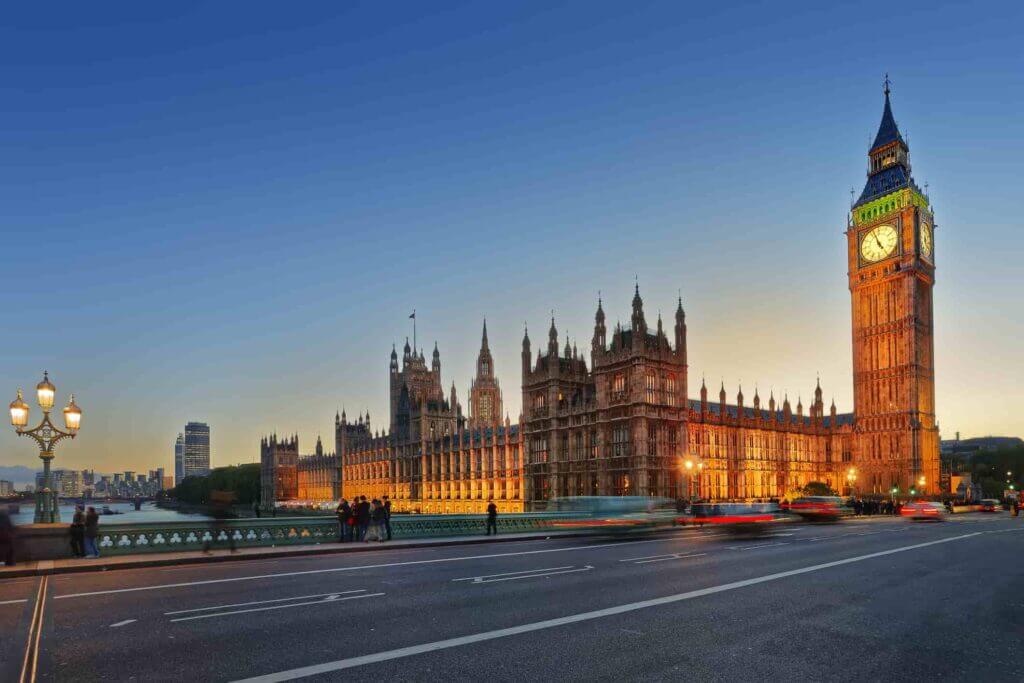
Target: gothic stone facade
[624, 425]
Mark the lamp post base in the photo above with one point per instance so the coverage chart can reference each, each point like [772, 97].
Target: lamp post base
[47, 511]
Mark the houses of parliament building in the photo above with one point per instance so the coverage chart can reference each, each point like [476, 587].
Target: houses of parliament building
[622, 422]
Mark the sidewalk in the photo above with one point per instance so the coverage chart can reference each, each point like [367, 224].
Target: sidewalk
[74, 566]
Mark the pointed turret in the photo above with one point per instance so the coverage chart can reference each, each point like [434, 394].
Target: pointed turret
[771, 403]
[600, 332]
[526, 355]
[681, 331]
[703, 396]
[553, 339]
[639, 323]
[394, 359]
[436, 364]
[568, 348]
[406, 352]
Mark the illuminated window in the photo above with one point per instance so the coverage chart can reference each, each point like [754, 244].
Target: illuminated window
[670, 390]
[619, 383]
[652, 387]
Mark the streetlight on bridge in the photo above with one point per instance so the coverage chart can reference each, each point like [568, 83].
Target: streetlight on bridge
[46, 435]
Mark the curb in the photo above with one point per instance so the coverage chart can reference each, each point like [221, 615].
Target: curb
[339, 549]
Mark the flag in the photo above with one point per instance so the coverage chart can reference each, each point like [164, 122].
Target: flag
[413, 314]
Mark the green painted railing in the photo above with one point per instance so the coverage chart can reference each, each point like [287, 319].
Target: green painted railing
[154, 537]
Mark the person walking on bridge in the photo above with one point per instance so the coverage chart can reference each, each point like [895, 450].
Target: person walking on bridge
[362, 518]
[78, 532]
[492, 518]
[387, 516]
[92, 530]
[344, 513]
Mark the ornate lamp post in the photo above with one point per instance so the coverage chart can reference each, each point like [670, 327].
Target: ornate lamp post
[851, 479]
[47, 435]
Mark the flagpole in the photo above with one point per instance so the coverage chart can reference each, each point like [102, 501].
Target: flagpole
[414, 346]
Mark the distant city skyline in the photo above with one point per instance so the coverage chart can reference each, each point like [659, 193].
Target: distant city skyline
[247, 208]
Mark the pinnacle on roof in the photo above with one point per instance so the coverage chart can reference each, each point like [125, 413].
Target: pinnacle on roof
[680, 314]
[483, 341]
[599, 316]
[888, 132]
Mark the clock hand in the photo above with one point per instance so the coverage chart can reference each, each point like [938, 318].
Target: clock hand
[879, 243]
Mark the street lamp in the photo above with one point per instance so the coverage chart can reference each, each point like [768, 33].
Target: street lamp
[921, 483]
[46, 435]
[851, 477]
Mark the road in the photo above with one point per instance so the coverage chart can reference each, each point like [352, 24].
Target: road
[868, 599]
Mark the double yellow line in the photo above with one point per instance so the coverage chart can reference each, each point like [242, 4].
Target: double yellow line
[30, 663]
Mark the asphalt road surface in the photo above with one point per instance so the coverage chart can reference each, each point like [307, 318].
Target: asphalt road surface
[879, 599]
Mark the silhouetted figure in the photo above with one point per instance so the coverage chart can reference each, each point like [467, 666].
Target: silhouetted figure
[387, 516]
[7, 533]
[377, 514]
[362, 518]
[256, 508]
[77, 530]
[220, 513]
[492, 518]
[92, 530]
[344, 512]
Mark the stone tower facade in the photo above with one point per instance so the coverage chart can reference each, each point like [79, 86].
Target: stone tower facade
[891, 265]
[485, 392]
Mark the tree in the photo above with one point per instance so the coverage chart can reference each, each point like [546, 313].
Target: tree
[818, 488]
[241, 481]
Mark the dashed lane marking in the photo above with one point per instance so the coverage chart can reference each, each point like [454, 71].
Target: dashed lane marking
[330, 599]
[527, 574]
[264, 602]
[123, 623]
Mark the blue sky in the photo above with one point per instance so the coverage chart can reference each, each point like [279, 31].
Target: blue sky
[226, 212]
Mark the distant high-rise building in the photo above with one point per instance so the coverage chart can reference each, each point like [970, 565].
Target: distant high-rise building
[6, 488]
[67, 483]
[196, 458]
[179, 457]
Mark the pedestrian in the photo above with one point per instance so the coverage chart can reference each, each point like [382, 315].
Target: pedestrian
[344, 513]
[387, 516]
[377, 514]
[92, 530]
[362, 518]
[6, 539]
[220, 514]
[492, 518]
[256, 508]
[78, 532]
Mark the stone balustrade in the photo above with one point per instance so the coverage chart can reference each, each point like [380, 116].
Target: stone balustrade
[52, 541]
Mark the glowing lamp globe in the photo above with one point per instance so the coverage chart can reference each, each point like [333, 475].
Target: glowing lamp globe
[19, 411]
[45, 392]
[72, 415]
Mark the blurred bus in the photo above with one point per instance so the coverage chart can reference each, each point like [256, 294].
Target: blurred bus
[612, 514]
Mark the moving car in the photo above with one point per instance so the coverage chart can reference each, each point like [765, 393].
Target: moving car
[990, 505]
[924, 510]
[736, 517]
[821, 508]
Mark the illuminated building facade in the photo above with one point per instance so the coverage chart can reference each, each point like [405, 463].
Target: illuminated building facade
[623, 424]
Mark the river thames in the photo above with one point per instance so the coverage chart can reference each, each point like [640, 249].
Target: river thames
[124, 513]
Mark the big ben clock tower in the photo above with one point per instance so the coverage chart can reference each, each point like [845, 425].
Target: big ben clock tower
[892, 271]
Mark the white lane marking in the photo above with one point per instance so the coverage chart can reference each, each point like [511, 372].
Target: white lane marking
[338, 665]
[263, 602]
[670, 557]
[755, 547]
[495, 578]
[525, 571]
[307, 572]
[13, 602]
[325, 601]
[123, 623]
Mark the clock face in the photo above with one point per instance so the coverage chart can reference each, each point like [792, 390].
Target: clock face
[878, 243]
[926, 240]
